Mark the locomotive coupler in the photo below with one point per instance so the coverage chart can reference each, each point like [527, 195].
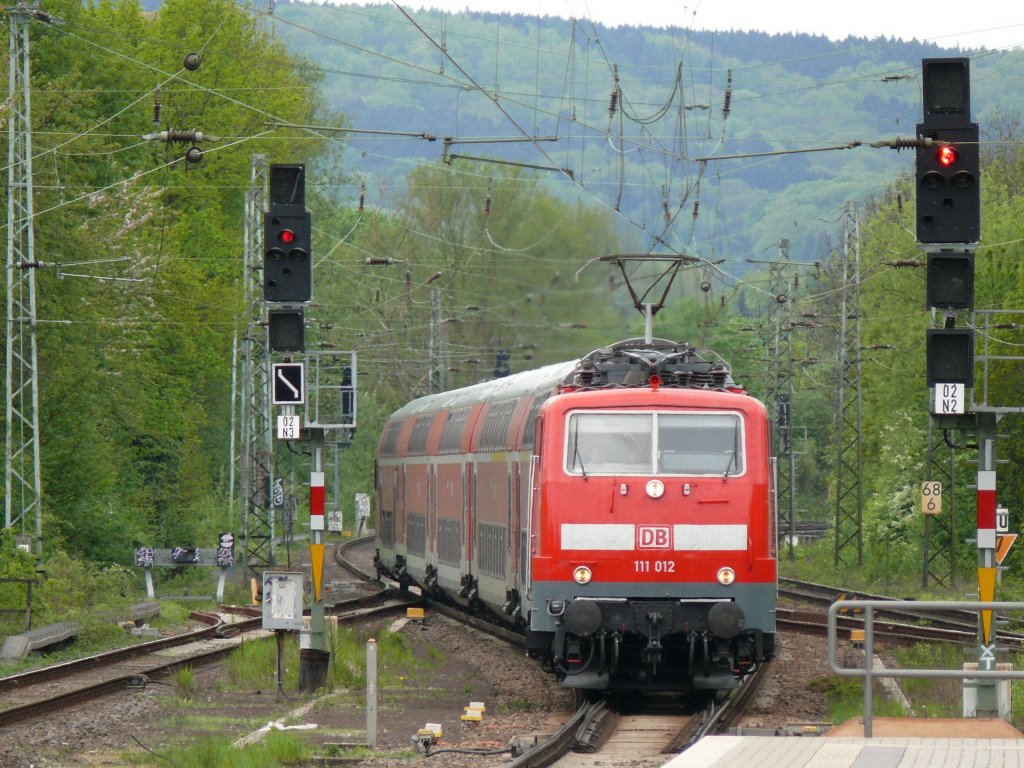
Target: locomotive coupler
[652, 653]
[558, 647]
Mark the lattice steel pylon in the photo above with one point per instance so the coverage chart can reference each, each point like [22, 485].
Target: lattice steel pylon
[849, 500]
[940, 530]
[22, 478]
[436, 346]
[256, 447]
[782, 395]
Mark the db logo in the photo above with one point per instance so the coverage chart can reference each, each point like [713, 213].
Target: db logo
[654, 537]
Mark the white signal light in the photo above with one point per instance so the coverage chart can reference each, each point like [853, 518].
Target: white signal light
[582, 574]
[655, 489]
[726, 576]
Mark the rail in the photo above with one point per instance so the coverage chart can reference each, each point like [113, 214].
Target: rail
[547, 752]
[912, 606]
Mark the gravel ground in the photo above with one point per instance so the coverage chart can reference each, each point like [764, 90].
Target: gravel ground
[467, 666]
[520, 700]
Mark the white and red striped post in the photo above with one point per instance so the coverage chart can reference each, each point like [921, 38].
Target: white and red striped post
[316, 530]
[314, 661]
[987, 696]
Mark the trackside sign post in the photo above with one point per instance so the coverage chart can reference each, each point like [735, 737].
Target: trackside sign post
[289, 384]
[931, 497]
[289, 391]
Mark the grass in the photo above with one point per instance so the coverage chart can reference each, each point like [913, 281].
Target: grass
[518, 705]
[395, 659]
[929, 698]
[276, 750]
[253, 665]
[846, 699]
[933, 698]
[184, 682]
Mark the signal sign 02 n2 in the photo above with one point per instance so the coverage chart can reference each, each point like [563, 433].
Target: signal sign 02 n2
[949, 399]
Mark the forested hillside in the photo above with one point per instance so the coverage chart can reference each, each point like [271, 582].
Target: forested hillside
[494, 80]
[427, 269]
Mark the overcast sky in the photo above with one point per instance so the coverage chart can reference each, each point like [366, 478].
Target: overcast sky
[988, 23]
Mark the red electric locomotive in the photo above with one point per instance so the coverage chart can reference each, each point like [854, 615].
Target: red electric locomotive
[619, 510]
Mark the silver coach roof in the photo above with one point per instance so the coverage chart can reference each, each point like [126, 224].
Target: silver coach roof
[543, 379]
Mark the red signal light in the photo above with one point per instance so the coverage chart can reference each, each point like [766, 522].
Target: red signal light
[946, 156]
[286, 236]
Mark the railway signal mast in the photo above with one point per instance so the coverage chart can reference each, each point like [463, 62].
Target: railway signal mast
[322, 383]
[948, 202]
[287, 288]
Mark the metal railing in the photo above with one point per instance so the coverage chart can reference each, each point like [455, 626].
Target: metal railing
[912, 606]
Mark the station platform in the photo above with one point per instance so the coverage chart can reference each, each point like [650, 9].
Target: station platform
[17, 647]
[896, 743]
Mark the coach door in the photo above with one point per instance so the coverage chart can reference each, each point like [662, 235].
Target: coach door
[530, 539]
[386, 492]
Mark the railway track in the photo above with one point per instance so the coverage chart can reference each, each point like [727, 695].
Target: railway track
[615, 734]
[597, 734]
[40, 691]
[894, 625]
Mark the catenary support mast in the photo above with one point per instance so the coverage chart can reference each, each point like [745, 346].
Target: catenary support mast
[256, 481]
[22, 478]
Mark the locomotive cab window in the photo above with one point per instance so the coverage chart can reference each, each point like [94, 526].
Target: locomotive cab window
[654, 444]
[699, 444]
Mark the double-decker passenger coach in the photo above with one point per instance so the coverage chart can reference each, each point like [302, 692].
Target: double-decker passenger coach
[618, 510]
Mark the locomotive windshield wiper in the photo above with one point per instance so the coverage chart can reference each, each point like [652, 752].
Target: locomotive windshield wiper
[576, 457]
[732, 460]
[732, 453]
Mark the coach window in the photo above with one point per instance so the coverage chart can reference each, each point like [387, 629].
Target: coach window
[609, 444]
[700, 444]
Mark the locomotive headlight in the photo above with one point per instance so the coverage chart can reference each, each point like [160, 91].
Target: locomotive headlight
[582, 574]
[655, 489]
[726, 576]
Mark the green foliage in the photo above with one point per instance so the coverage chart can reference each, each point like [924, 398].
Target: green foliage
[135, 392]
[892, 520]
[72, 589]
[15, 563]
[497, 280]
[172, 613]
